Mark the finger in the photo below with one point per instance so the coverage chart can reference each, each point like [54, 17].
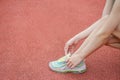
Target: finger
[71, 50]
[68, 63]
[66, 50]
[67, 59]
[73, 66]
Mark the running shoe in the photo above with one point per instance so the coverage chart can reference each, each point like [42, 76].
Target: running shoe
[61, 66]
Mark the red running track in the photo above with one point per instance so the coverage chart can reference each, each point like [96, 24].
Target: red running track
[33, 32]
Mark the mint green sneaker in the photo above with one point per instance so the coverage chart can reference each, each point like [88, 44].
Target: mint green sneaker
[61, 66]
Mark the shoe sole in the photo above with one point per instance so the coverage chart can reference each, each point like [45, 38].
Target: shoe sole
[75, 72]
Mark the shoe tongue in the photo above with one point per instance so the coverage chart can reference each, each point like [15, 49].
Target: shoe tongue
[63, 59]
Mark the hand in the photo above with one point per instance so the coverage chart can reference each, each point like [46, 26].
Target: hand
[74, 60]
[70, 45]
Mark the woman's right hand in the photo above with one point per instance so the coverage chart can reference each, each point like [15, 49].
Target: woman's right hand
[70, 45]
